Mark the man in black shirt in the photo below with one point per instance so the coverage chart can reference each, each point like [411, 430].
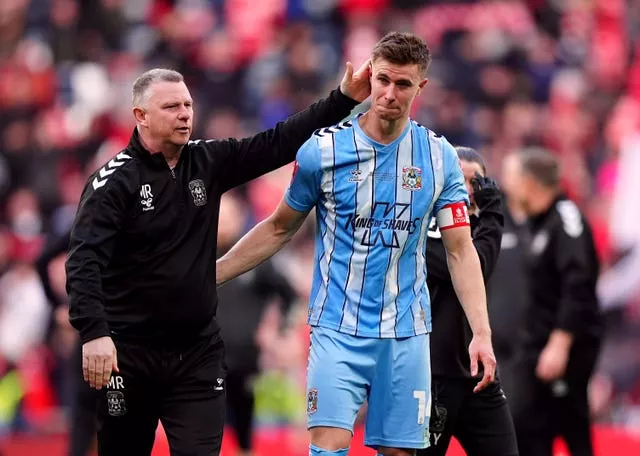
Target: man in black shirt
[480, 420]
[507, 288]
[141, 265]
[562, 326]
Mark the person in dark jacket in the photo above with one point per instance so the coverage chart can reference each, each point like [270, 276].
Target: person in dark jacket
[480, 420]
[507, 292]
[82, 418]
[141, 272]
[562, 326]
[252, 292]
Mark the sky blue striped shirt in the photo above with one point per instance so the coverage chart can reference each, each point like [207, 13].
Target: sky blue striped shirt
[373, 206]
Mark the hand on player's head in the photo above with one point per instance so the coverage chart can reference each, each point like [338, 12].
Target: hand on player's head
[357, 85]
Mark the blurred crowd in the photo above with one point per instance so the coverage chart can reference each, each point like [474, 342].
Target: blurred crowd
[507, 74]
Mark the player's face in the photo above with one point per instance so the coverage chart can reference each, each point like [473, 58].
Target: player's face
[168, 110]
[393, 88]
[469, 170]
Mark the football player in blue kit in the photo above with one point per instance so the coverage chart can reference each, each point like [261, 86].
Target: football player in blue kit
[375, 182]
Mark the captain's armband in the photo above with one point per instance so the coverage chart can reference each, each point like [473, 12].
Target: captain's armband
[453, 216]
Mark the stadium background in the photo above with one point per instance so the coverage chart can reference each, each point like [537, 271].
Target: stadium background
[564, 74]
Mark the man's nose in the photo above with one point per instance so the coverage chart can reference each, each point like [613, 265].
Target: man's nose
[184, 113]
[390, 92]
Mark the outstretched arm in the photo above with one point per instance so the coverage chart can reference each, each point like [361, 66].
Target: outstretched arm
[239, 161]
[259, 244]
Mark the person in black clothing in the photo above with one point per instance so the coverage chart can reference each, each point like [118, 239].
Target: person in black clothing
[241, 305]
[562, 326]
[82, 422]
[507, 287]
[480, 420]
[141, 272]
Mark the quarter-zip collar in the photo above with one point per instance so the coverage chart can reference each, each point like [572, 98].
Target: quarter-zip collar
[155, 159]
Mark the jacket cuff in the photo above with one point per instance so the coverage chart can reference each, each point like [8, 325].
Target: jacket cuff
[343, 100]
[489, 201]
[567, 326]
[94, 330]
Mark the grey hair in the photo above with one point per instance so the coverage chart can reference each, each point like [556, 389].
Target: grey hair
[542, 165]
[144, 81]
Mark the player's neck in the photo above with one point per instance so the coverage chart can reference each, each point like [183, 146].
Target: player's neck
[380, 130]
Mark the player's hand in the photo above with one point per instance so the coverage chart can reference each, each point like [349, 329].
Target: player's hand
[552, 363]
[481, 352]
[357, 85]
[99, 359]
[485, 190]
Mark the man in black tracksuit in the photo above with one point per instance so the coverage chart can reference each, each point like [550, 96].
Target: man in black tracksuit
[141, 265]
[562, 326]
[480, 420]
[507, 292]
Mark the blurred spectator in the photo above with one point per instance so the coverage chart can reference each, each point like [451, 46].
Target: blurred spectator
[507, 295]
[561, 331]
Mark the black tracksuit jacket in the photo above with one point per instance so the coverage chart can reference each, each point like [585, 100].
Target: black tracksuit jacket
[562, 266]
[141, 261]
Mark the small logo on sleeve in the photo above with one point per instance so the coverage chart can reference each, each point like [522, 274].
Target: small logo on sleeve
[296, 167]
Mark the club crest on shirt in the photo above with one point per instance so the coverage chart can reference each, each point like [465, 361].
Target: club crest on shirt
[312, 401]
[198, 191]
[411, 178]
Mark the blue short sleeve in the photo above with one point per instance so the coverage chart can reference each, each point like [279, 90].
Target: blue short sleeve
[454, 190]
[305, 188]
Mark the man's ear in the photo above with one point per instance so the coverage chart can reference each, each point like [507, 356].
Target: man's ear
[141, 116]
[422, 84]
